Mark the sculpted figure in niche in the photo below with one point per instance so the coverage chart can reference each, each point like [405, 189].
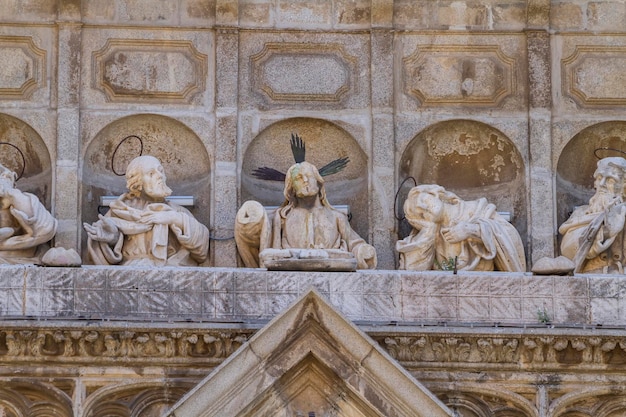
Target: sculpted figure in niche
[447, 228]
[304, 228]
[142, 228]
[593, 236]
[25, 224]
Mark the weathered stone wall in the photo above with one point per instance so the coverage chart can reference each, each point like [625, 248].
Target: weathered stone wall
[507, 99]
[118, 341]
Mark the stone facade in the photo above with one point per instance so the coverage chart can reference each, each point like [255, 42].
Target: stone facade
[512, 100]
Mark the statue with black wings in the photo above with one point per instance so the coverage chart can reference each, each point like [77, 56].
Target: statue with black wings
[306, 232]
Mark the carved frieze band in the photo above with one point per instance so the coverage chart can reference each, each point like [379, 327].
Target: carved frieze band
[540, 350]
[149, 70]
[534, 351]
[291, 72]
[459, 74]
[26, 343]
[23, 68]
[595, 75]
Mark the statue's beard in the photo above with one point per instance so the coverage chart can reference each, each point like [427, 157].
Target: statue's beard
[158, 190]
[603, 200]
[5, 184]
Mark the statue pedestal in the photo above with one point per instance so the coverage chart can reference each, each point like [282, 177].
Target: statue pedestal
[332, 260]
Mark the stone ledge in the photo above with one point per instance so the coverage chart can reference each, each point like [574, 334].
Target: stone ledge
[248, 295]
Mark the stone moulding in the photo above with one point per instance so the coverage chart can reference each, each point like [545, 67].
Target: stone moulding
[478, 75]
[595, 75]
[539, 349]
[321, 72]
[23, 67]
[130, 70]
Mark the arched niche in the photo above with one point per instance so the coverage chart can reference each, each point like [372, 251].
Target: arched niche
[603, 402]
[23, 151]
[471, 159]
[324, 142]
[134, 399]
[182, 153]
[578, 161]
[487, 402]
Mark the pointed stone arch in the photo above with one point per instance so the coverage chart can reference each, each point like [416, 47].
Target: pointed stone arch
[598, 402]
[135, 399]
[487, 402]
[32, 399]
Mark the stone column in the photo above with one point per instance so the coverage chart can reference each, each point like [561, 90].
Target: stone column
[225, 182]
[66, 190]
[542, 229]
[383, 235]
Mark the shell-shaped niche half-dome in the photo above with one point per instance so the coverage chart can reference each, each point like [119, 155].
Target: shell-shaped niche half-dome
[24, 152]
[578, 161]
[181, 152]
[325, 142]
[471, 159]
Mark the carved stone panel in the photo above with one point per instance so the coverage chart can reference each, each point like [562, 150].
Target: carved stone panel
[298, 72]
[474, 75]
[595, 75]
[149, 70]
[23, 68]
[318, 71]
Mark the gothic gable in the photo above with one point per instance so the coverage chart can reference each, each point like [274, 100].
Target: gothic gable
[309, 361]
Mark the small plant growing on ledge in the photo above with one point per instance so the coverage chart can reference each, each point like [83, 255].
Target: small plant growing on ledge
[446, 265]
[543, 316]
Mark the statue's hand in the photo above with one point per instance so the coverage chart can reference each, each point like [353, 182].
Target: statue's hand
[104, 230]
[614, 220]
[366, 257]
[460, 232]
[367, 252]
[24, 220]
[166, 217]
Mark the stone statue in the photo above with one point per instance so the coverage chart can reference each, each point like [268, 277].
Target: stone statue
[25, 224]
[448, 230]
[306, 231]
[142, 228]
[593, 236]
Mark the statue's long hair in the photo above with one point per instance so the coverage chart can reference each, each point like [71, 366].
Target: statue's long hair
[447, 197]
[291, 200]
